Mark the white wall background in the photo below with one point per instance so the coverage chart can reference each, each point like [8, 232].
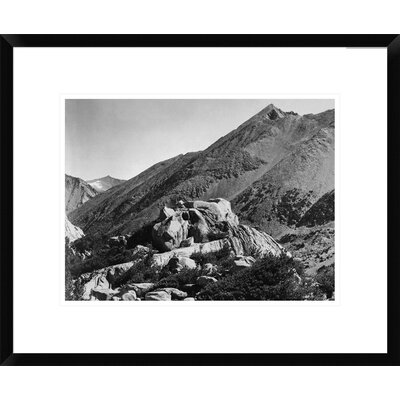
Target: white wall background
[209, 16]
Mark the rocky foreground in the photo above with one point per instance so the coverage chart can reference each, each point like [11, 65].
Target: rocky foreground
[198, 251]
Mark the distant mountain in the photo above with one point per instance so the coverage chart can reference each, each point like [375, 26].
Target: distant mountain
[114, 210]
[105, 183]
[274, 168]
[77, 192]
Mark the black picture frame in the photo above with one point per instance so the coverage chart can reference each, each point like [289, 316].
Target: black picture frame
[8, 42]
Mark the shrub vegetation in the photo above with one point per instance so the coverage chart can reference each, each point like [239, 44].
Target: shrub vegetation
[270, 278]
[326, 280]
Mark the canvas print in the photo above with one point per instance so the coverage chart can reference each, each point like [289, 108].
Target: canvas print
[199, 199]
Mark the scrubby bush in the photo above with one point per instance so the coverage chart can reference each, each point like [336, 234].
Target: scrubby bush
[73, 289]
[142, 236]
[92, 243]
[326, 279]
[202, 259]
[186, 276]
[270, 278]
[69, 285]
[102, 258]
[141, 272]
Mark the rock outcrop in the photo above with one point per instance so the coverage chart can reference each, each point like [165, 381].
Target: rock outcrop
[177, 264]
[107, 278]
[159, 260]
[204, 221]
[103, 294]
[192, 222]
[127, 295]
[159, 295]
[244, 261]
[102, 279]
[140, 288]
[166, 294]
[72, 232]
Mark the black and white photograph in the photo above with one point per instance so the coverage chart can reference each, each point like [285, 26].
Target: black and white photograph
[187, 185]
[199, 199]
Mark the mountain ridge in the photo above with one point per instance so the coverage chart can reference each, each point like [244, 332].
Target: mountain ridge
[105, 183]
[77, 192]
[282, 161]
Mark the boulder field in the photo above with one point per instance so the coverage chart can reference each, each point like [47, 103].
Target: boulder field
[181, 237]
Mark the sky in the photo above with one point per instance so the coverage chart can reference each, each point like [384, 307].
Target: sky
[123, 137]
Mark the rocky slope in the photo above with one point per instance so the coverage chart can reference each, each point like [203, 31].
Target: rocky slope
[124, 208]
[313, 238]
[321, 212]
[72, 232]
[105, 183]
[281, 197]
[274, 167]
[314, 246]
[77, 192]
[200, 244]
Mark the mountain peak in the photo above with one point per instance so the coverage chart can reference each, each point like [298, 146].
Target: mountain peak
[104, 183]
[270, 107]
[103, 178]
[263, 154]
[272, 112]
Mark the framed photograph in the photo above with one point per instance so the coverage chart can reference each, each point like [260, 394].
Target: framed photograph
[199, 200]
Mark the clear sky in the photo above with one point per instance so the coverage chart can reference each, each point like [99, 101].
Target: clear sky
[123, 137]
